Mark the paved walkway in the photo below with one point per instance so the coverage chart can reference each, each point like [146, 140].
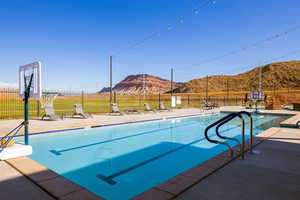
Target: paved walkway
[273, 174]
[42, 125]
[290, 122]
[14, 186]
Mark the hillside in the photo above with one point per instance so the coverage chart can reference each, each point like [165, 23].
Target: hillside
[134, 84]
[281, 75]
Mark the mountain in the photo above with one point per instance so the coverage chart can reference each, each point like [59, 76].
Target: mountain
[134, 84]
[280, 75]
[104, 90]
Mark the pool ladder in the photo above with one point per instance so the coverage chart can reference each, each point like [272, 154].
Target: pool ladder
[218, 124]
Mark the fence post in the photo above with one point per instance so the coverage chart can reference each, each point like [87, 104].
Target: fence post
[38, 112]
[82, 99]
[115, 97]
[158, 98]
[140, 101]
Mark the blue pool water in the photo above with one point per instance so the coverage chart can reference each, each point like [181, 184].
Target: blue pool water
[120, 162]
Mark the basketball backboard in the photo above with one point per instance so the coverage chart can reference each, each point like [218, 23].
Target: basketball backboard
[257, 95]
[25, 73]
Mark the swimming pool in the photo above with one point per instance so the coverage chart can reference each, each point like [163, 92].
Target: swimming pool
[120, 162]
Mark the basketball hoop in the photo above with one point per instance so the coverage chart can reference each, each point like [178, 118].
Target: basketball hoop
[47, 98]
[30, 72]
[257, 95]
[30, 86]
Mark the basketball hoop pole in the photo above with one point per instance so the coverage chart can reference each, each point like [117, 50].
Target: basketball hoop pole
[26, 109]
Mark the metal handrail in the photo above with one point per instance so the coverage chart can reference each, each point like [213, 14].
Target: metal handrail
[229, 138]
[216, 141]
[251, 130]
[251, 125]
[225, 120]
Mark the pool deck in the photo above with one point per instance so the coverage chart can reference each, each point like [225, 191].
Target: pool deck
[290, 122]
[274, 174]
[37, 125]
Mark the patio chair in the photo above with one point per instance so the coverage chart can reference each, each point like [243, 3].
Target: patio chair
[78, 111]
[148, 108]
[206, 106]
[115, 109]
[50, 113]
[132, 111]
[162, 107]
[248, 106]
[215, 105]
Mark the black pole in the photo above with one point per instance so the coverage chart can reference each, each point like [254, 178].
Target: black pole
[171, 82]
[82, 99]
[227, 85]
[26, 118]
[110, 81]
[206, 91]
[26, 109]
[227, 88]
[159, 97]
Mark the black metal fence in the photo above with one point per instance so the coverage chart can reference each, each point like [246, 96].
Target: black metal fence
[11, 105]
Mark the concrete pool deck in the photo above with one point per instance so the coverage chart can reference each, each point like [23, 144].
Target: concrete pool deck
[37, 125]
[273, 174]
[42, 182]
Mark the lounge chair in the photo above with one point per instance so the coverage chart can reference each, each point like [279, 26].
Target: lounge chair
[162, 107]
[287, 107]
[115, 109]
[50, 113]
[78, 111]
[215, 105]
[208, 106]
[205, 106]
[148, 108]
[132, 111]
[248, 106]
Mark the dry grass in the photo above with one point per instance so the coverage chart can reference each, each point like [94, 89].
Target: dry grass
[279, 76]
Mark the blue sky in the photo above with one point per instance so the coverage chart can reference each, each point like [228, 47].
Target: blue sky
[74, 39]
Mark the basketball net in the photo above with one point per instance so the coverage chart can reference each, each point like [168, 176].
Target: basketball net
[47, 99]
[27, 81]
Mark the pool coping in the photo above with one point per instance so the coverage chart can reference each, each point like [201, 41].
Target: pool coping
[60, 187]
[289, 123]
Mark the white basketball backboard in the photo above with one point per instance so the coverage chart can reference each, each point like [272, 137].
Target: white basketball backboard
[25, 73]
[257, 95]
